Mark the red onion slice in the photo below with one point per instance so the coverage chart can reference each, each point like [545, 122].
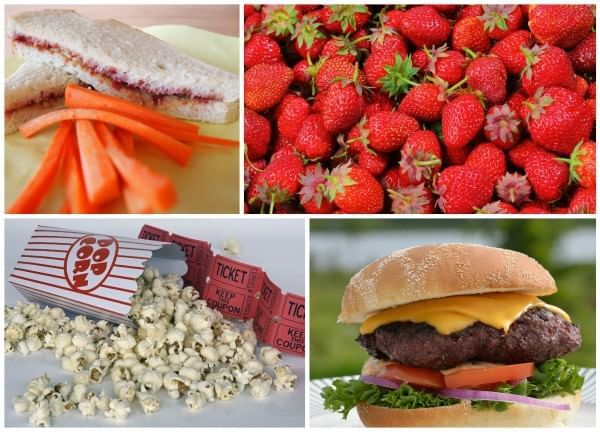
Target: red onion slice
[381, 382]
[502, 397]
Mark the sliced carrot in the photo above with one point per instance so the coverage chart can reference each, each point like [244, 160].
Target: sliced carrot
[156, 189]
[76, 194]
[176, 150]
[38, 186]
[135, 203]
[126, 140]
[99, 175]
[81, 97]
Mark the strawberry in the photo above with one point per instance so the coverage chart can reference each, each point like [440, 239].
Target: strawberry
[421, 156]
[591, 93]
[249, 10]
[513, 188]
[343, 105]
[385, 131]
[446, 9]
[424, 101]
[488, 75]
[469, 33]
[344, 18]
[282, 142]
[456, 156]
[280, 20]
[509, 50]
[546, 66]
[277, 183]
[341, 46]
[302, 73]
[583, 201]
[522, 152]
[253, 23]
[251, 170]
[261, 49]
[583, 56]
[424, 26]
[557, 119]
[582, 164]
[462, 189]
[393, 18]
[462, 119]
[581, 86]
[515, 102]
[377, 102]
[291, 112]
[257, 134]
[501, 20]
[386, 41]
[469, 11]
[265, 85]
[312, 192]
[448, 65]
[411, 200]
[354, 190]
[334, 69]
[497, 207]
[372, 161]
[489, 160]
[535, 208]
[393, 179]
[548, 176]
[313, 141]
[502, 126]
[560, 25]
[308, 39]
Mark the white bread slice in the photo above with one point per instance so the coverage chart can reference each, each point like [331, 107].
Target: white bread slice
[33, 89]
[125, 62]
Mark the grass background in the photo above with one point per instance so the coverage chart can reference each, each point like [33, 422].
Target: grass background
[333, 351]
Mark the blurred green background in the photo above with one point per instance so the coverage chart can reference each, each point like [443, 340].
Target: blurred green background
[339, 248]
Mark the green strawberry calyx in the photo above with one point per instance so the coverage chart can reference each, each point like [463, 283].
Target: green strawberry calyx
[346, 15]
[399, 76]
[281, 20]
[502, 123]
[574, 162]
[270, 195]
[337, 180]
[409, 199]
[532, 57]
[514, 188]
[491, 208]
[314, 184]
[496, 16]
[536, 109]
[433, 54]
[418, 164]
[307, 31]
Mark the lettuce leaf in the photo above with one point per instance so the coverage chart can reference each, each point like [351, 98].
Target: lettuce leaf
[551, 377]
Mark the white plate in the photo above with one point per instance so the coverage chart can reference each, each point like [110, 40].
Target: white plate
[319, 417]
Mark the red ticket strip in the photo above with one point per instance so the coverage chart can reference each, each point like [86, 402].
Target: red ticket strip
[93, 274]
[241, 291]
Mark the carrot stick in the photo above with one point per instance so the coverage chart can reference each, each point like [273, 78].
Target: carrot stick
[176, 150]
[126, 140]
[100, 177]
[156, 189]
[38, 186]
[135, 202]
[79, 97]
[76, 194]
[204, 139]
[200, 139]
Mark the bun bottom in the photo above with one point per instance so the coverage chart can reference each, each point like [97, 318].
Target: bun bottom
[464, 415]
[14, 119]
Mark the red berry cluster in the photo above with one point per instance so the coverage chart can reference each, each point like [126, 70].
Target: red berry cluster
[420, 109]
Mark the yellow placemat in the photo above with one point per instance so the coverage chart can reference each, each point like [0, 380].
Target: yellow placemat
[209, 184]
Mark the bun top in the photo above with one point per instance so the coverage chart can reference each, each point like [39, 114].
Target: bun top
[435, 271]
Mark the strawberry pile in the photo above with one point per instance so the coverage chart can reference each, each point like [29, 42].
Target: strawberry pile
[420, 109]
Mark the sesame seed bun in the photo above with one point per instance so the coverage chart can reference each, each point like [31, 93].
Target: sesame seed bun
[436, 271]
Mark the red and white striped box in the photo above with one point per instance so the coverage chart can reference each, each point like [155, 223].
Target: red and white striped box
[92, 274]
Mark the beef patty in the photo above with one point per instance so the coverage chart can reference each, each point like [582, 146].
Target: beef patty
[536, 336]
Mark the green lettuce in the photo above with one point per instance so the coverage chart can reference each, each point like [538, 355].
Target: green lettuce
[551, 377]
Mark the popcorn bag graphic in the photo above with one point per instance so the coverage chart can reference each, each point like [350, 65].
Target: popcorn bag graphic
[240, 291]
[92, 274]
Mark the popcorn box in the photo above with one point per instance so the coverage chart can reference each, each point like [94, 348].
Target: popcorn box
[241, 291]
[92, 274]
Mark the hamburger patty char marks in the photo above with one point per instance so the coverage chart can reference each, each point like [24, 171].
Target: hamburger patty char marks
[537, 335]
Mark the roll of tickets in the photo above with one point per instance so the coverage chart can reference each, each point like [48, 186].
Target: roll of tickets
[92, 274]
[241, 291]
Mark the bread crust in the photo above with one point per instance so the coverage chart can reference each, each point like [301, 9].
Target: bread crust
[435, 271]
[464, 415]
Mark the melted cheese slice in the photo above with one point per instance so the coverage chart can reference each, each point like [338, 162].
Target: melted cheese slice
[451, 314]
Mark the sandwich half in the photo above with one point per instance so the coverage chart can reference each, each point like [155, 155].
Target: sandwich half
[32, 90]
[122, 61]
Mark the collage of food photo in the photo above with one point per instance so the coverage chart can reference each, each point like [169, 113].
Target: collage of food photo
[299, 216]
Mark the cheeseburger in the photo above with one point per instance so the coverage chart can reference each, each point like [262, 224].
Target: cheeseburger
[458, 336]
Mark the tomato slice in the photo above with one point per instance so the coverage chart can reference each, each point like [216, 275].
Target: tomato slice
[474, 377]
[423, 377]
